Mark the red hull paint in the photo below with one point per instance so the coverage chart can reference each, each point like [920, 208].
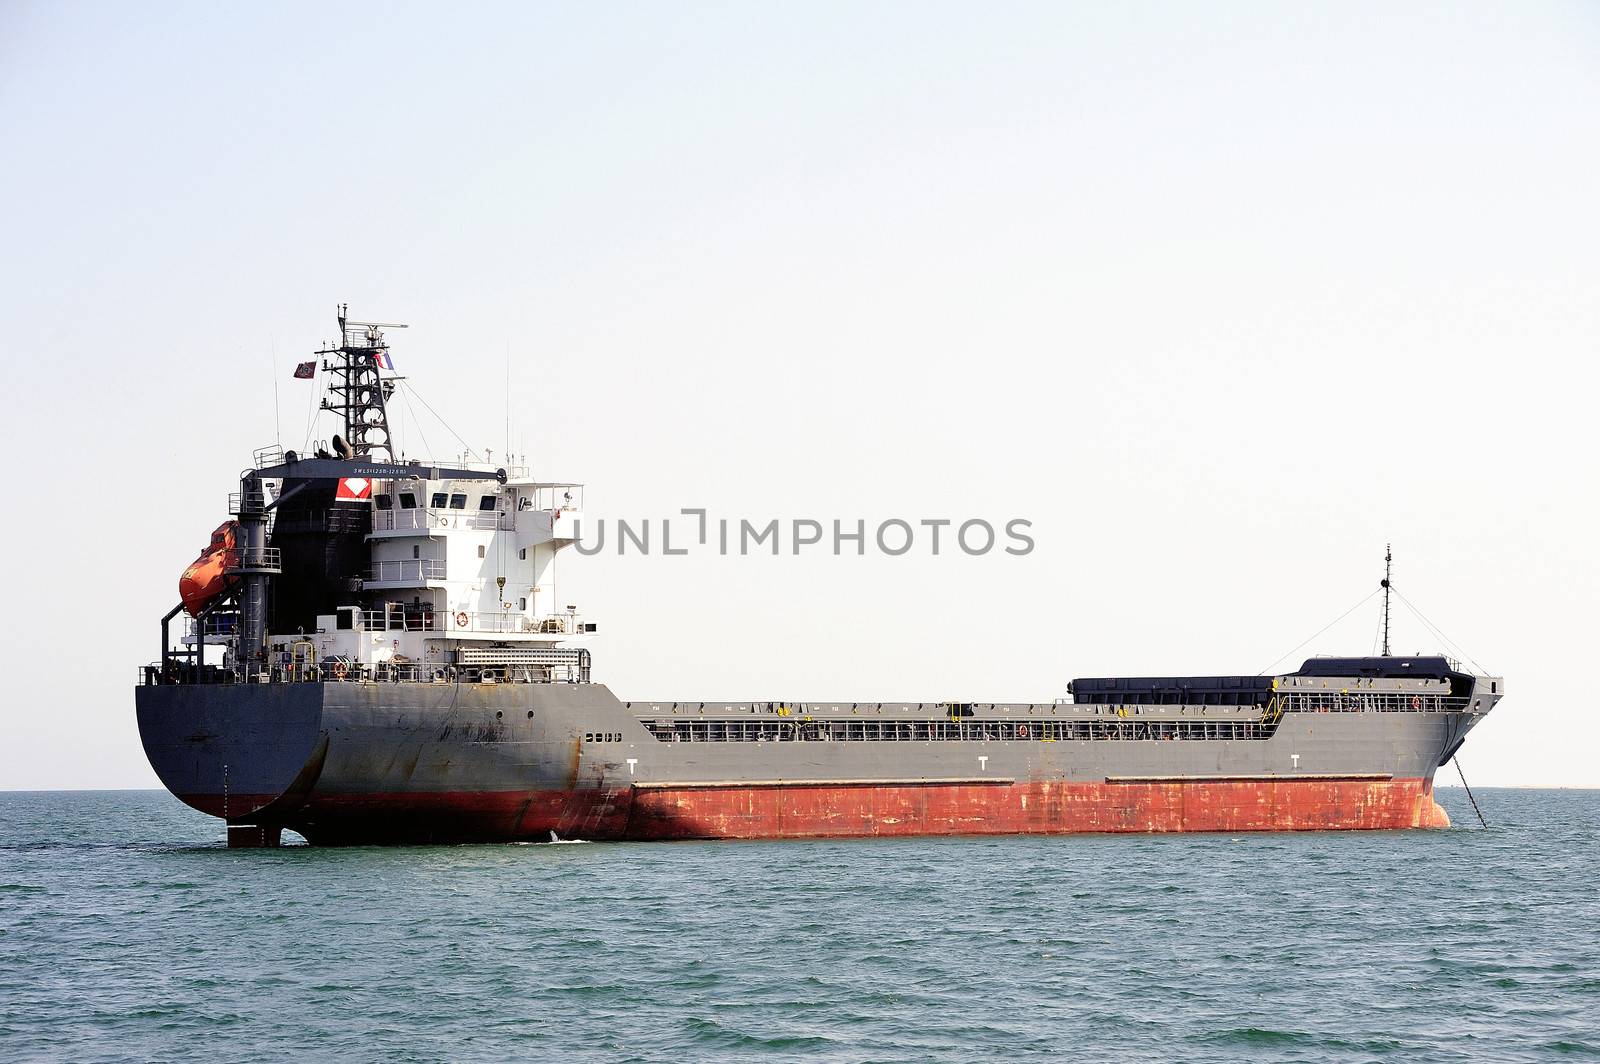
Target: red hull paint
[1034, 808]
[843, 810]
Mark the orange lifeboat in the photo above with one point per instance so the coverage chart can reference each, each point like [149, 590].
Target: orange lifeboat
[207, 576]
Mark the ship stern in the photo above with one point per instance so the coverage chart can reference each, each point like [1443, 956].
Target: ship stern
[246, 753]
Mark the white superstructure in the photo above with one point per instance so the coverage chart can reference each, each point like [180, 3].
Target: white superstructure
[358, 563]
[459, 571]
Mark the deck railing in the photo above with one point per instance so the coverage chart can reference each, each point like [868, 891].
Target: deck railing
[513, 622]
[570, 667]
[394, 571]
[565, 497]
[408, 617]
[258, 559]
[426, 518]
[402, 618]
[1368, 702]
[219, 623]
[746, 730]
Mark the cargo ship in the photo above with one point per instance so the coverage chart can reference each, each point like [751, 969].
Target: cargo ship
[373, 650]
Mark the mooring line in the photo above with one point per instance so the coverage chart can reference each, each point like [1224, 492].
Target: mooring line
[1457, 763]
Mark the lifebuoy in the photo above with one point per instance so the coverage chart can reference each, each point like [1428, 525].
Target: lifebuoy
[339, 670]
[1022, 731]
[1416, 701]
[461, 620]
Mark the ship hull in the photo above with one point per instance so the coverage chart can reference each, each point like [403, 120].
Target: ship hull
[795, 811]
[360, 763]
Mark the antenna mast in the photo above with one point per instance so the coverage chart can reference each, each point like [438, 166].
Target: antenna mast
[1388, 559]
[356, 388]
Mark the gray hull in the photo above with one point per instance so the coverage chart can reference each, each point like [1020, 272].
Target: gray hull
[356, 762]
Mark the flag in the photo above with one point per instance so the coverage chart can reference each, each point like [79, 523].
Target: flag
[381, 357]
[305, 371]
[354, 488]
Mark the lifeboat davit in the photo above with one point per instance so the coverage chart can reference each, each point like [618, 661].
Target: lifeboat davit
[207, 576]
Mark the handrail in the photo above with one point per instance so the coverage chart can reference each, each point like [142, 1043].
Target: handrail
[937, 729]
[1368, 702]
[406, 617]
[403, 618]
[245, 558]
[397, 569]
[425, 518]
[342, 670]
[511, 621]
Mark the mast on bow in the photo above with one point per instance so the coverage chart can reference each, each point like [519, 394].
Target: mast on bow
[1388, 561]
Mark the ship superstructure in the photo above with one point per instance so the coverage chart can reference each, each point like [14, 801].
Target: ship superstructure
[348, 563]
[376, 651]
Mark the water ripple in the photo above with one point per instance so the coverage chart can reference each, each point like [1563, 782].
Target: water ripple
[127, 930]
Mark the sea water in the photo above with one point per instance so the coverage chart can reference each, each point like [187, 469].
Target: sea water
[129, 932]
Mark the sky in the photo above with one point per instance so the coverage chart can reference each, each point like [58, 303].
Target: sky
[1220, 298]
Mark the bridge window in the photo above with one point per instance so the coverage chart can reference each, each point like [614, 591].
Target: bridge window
[408, 501]
[488, 502]
[438, 500]
[458, 502]
[385, 502]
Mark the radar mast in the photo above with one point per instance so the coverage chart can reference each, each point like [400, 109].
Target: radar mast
[356, 388]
